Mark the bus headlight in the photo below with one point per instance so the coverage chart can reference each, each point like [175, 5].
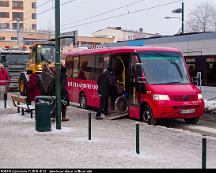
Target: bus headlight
[160, 97]
[200, 96]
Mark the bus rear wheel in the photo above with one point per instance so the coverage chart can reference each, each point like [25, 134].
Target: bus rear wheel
[147, 115]
[121, 105]
[83, 101]
[191, 120]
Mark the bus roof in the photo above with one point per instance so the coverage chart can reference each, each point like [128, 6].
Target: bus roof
[14, 51]
[113, 50]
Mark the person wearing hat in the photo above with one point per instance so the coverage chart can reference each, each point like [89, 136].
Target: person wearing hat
[33, 86]
[105, 84]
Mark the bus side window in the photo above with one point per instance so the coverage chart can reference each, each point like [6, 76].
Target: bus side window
[101, 64]
[69, 66]
[3, 59]
[75, 67]
[86, 67]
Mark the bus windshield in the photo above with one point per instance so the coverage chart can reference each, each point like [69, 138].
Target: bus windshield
[14, 58]
[45, 53]
[164, 68]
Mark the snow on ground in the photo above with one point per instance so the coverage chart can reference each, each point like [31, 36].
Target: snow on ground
[112, 144]
[210, 104]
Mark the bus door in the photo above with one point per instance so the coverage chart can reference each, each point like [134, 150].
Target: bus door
[136, 87]
[119, 69]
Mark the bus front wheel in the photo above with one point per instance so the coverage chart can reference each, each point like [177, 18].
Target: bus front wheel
[147, 115]
[83, 101]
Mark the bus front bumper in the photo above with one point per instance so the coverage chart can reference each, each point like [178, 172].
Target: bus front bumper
[178, 110]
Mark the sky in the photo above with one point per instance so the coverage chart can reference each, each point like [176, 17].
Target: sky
[85, 15]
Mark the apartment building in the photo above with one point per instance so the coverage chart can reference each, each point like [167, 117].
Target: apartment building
[120, 34]
[22, 12]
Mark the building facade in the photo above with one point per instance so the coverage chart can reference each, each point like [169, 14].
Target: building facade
[119, 34]
[199, 50]
[8, 38]
[22, 13]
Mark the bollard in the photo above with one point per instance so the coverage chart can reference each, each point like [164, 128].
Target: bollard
[5, 100]
[137, 139]
[204, 152]
[89, 125]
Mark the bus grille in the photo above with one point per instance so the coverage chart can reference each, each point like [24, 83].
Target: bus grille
[184, 98]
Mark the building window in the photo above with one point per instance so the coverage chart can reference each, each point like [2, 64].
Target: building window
[17, 15]
[13, 38]
[34, 16]
[191, 64]
[34, 5]
[4, 3]
[4, 26]
[2, 38]
[34, 27]
[211, 70]
[17, 5]
[14, 26]
[4, 15]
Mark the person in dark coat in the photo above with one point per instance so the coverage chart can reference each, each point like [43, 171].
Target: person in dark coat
[4, 77]
[33, 86]
[64, 93]
[105, 84]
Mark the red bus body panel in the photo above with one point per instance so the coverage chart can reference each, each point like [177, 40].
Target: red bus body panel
[182, 96]
[171, 109]
[88, 87]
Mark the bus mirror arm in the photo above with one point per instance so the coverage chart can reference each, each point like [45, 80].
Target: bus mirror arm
[141, 79]
[197, 80]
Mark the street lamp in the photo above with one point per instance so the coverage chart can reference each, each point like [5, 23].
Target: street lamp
[179, 10]
[168, 17]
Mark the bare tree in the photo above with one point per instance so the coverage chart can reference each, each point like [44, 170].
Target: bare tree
[202, 18]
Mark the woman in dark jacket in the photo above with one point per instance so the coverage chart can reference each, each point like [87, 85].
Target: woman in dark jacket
[64, 93]
[33, 86]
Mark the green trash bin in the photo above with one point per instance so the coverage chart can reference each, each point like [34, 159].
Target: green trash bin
[43, 113]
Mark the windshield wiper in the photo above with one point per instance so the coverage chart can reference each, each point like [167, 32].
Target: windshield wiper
[174, 82]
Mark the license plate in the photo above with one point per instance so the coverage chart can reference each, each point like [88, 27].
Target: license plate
[187, 111]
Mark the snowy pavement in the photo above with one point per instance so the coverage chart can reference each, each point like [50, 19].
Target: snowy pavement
[112, 146]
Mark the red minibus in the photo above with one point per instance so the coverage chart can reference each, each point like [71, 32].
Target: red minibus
[155, 79]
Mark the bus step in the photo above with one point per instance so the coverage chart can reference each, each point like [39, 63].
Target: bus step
[116, 116]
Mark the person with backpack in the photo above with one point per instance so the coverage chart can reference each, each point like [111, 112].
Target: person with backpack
[33, 86]
[105, 84]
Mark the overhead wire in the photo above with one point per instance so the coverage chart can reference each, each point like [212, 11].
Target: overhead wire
[106, 12]
[123, 14]
[98, 20]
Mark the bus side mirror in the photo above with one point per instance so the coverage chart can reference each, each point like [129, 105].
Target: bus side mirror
[141, 79]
